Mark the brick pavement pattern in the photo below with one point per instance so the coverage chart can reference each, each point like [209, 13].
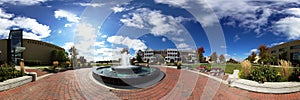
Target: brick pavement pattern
[78, 84]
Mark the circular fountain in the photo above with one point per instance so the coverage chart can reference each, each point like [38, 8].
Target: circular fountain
[127, 76]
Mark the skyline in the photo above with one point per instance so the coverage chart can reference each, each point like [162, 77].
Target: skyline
[101, 27]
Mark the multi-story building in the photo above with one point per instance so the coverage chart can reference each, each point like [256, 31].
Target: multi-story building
[173, 55]
[169, 55]
[289, 51]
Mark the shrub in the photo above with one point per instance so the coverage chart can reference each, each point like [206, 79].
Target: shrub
[295, 75]
[264, 74]
[8, 72]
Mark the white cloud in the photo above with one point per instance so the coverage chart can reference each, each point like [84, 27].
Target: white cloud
[66, 14]
[90, 4]
[274, 44]
[69, 25]
[248, 14]
[32, 28]
[100, 44]
[293, 11]
[59, 31]
[68, 45]
[3, 14]
[85, 38]
[118, 9]
[252, 50]
[22, 2]
[289, 27]
[134, 44]
[163, 39]
[182, 46]
[155, 21]
[29, 24]
[236, 38]
[180, 3]
[104, 36]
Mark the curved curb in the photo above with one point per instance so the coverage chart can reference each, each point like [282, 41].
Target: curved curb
[267, 87]
[15, 82]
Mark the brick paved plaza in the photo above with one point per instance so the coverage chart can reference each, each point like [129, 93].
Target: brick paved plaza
[178, 85]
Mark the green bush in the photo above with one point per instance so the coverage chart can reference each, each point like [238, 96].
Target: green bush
[264, 74]
[8, 72]
[295, 75]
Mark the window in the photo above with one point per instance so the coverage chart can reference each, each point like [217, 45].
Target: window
[281, 49]
[295, 47]
[274, 51]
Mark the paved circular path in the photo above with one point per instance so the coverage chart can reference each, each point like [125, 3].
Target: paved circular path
[78, 84]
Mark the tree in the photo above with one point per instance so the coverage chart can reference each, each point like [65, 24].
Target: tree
[251, 57]
[200, 52]
[222, 58]
[231, 60]
[265, 56]
[54, 55]
[214, 57]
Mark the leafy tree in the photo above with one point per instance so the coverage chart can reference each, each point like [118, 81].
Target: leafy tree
[214, 57]
[222, 58]
[231, 60]
[200, 52]
[60, 56]
[54, 55]
[265, 56]
[251, 57]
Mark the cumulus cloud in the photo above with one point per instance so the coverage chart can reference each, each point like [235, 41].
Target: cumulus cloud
[22, 2]
[32, 28]
[100, 44]
[118, 9]
[182, 46]
[251, 15]
[158, 23]
[85, 39]
[134, 44]
[289, 27]
[252, 50]
[90, 4]
[68, 45]
[66, 14]
[3, 14]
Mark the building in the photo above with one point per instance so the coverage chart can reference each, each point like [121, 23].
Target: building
[37, 52]
[289, 51]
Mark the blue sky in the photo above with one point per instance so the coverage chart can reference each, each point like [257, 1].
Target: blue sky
[100, 28]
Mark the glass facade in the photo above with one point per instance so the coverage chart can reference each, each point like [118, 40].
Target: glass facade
[295, 57]
[15, 40]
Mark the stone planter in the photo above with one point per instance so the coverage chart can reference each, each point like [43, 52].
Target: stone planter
[15, 82]
[267, 87]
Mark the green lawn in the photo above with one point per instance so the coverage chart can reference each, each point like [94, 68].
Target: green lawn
[230, 67]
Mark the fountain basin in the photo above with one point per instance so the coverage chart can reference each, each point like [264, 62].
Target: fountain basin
[127, 69]
[114, 77]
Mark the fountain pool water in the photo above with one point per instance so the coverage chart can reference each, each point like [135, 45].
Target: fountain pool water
[127, 76]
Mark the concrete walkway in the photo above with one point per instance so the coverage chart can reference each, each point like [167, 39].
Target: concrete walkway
[177, 85]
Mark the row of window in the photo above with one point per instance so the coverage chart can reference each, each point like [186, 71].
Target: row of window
[283, 49]
[43, 44]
